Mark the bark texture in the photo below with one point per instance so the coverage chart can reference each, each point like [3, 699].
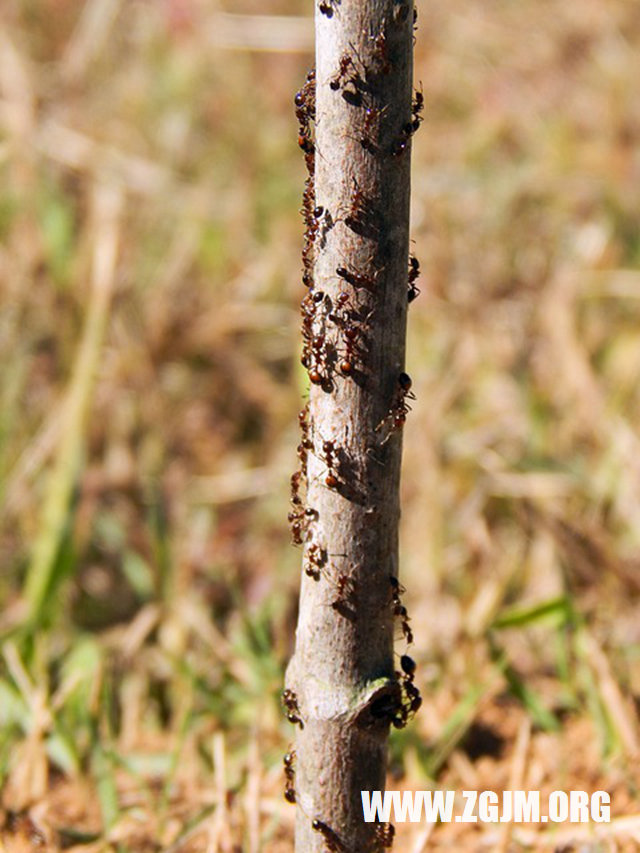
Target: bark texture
[342, 688]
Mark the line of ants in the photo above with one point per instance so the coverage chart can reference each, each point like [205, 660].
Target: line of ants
[339, 474]
[336, 343]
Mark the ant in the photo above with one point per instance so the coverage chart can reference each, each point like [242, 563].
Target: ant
[399, 609]
[346, 63]
[402, 143]
[396, 587]
[290, 703]
[409, 689]
[313, 219]
[297, 528]
[397, 415]
[414, 697]
[307, 263]
[357, 279]
[344, 309]
[307, 201]
[305, 105]
[305, 100]
[306, 144]
[371, 123]
[414, 272]
[290, 775]
[299, 521]
[303, 453]
[381, 52]
[316, 558]
[408, 666]
[313, 349]
[347, 74]
[318, 221]
[417, 106]
[330, 453]
[346, 596]
[400, 712]
[385, 833]
[296, 477]
[344, 316]
[415, 23]
[303, 419]
[331, 838]
[360, 216]
[328, 7]
[317, 356]
[310, 162]
[402, 408]
[350, 334]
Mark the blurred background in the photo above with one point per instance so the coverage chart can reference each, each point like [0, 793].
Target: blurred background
[149, 386]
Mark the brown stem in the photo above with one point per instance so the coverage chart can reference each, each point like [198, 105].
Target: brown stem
[342, 680]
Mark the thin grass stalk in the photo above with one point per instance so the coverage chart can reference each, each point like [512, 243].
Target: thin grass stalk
[40, 574]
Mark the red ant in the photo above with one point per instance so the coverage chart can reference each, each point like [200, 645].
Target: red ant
[351, 336]
[385, 833]
[290, 775]
[401, 144]
[307, 201]
[361, 215]
[344, 315]
[331, 838]
[371, 124]
[290, 703]
[299, 517]
[328, 7]
[397, 414]
[297, 528]
[346, 595]
[350, 350]
[329, 450]
[316, 559]
[305, 101]
[381, 52]
[343, 309]
[303, 418]
[357, 279]
[348, 75]
[313, 350]
[305, 104]
[296, 477]
[305, 445]
[346, 63]
[299, 521]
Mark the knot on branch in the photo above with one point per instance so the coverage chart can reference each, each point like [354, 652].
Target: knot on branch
[380, 706]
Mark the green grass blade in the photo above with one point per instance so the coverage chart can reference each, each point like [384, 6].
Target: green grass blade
[555, 608]
[41, 571]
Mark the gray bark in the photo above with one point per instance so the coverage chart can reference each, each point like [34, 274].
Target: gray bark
[342, 678]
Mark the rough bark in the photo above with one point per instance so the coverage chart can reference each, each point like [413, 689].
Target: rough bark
[341, 683]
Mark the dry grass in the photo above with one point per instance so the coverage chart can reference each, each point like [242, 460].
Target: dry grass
[149, 277]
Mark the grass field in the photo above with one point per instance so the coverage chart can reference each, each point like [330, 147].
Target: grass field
[149, 385]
